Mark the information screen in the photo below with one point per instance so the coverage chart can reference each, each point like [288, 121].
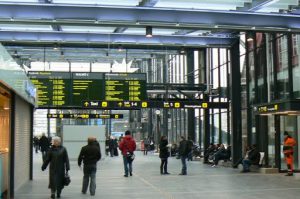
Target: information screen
[64, 89]
[125, 86]
[87, 86]
[52, 88]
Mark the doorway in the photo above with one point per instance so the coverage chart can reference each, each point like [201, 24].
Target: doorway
[277, 125]
[291, 124]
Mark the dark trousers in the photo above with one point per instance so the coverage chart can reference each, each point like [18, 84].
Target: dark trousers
[127, 165]
[44, 155]
[164, 165]
[183, 162]
[89, 177]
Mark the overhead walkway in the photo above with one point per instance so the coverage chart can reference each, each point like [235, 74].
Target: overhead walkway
[202, 181]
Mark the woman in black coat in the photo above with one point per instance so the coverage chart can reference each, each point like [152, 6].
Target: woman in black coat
[57, 156]
[164, 154]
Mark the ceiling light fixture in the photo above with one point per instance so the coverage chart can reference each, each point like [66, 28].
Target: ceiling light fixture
[120, 48]
[55, 47]
[149, 31]
[182, 51]
[250, 36]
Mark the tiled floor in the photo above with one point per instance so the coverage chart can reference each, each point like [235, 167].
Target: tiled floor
[202, 181]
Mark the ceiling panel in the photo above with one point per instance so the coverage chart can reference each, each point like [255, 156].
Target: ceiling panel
[23, 27]
[155, 31]
[93, 29]
[100, 2]
[203, 4]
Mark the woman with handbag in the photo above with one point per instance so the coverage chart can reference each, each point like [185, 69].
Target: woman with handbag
[57, 156]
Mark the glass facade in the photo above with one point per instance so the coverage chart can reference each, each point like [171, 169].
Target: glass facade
[272, 75]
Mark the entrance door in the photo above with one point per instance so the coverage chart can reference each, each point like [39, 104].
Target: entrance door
[291, 124]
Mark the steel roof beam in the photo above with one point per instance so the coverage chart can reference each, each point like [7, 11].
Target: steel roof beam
[87, 38]
[148, 3]
[156, 17]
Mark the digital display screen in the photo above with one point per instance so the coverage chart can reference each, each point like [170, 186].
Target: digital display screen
[64, 89]
[125, 87]
[53, 88]
[87, 86]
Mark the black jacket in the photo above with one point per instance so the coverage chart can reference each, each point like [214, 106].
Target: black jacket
[254, 156]
[44, 143]
[163, 149]
[90, 154]
[184, 148]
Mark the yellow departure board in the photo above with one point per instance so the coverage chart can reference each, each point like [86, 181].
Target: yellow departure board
[52, 88]
[64, 89]
[125, 86]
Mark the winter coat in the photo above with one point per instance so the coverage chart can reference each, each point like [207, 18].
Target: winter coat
[59, 163]
[163, 149]
[254, 156]
[127, 145]
[183, 148]
[44, 143]
[90, 154]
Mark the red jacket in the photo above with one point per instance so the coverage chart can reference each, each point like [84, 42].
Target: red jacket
[127, 144]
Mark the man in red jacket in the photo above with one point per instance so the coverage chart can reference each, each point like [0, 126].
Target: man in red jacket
[127, 146]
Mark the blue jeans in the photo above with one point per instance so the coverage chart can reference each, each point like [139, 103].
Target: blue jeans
[89, 171]
[183, 162]
[246, 164]
[127, 165]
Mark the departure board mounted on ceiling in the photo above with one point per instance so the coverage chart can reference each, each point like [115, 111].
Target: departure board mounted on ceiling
[70, 90]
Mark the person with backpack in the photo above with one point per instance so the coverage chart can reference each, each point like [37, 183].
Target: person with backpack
[127, 146]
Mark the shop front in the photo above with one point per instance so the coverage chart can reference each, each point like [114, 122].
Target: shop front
[5, 112]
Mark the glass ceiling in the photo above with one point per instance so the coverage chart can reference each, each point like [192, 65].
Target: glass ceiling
[253, 5]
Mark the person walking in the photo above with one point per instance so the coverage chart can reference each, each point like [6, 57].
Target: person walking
[183, 153]
[44, 145]
[288, 151]
[36, 144]
[127, 146]
[90, 155]
[163, 155]
[146, 146]
[58, 158]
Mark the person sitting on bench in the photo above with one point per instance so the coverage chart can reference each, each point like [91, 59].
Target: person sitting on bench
[222, 154]
[252, 157]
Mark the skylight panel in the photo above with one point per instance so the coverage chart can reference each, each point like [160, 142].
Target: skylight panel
[100, 2]
[88, 29]
[25, 27]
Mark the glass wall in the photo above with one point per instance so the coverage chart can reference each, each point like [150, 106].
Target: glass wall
[296, 65]
[282, 66]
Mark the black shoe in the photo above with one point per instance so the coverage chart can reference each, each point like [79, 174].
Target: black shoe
[289, 174]
[245, 171]
[130, 174]
[58, 195]
[83, 192]
[52, 196]
[125, 175]
[182, 174]
[166, 173]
